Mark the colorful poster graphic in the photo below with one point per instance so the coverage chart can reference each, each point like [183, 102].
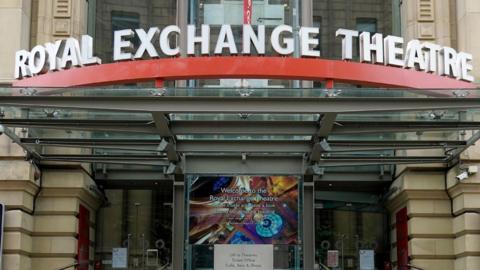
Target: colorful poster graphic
[244, 210]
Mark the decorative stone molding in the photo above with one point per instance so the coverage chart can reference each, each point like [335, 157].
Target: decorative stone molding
[426, 31]
[425, 11]
[62, 8]
[467, 223]
[57, 19]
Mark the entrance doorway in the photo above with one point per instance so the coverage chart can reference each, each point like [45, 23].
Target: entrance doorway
[134, 228]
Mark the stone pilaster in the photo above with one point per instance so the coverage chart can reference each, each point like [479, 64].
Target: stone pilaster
[58, 19]
[15, 31]
[55, 231]
[430, 234]
[19, 181]
[466, 223]
[427, 20]
[467, 18]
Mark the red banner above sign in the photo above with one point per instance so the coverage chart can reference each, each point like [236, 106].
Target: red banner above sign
[247, 11]
[247, 67]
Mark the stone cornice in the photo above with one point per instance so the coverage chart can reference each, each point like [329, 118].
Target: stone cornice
[87, 197]
[21, 185]
[462, 188]
[401, 198]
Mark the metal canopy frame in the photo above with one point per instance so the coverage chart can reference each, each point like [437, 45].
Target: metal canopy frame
[231, 146]
[254, 105]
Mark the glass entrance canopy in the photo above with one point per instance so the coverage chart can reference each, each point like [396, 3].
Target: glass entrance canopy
[314, 131]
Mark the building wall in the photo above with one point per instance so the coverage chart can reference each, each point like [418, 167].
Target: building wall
[332, 15]
[14, 24]
[443, 213]
[41, 223]
[148, 13]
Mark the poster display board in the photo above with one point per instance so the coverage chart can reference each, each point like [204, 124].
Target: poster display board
[243, 257]
[244, 210]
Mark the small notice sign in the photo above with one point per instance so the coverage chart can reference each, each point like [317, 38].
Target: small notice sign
[332, 258]
[367, 259]
[119, 258]
[243, 257]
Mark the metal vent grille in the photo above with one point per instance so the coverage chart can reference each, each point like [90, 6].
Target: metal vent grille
[426, 10]
[62, 8]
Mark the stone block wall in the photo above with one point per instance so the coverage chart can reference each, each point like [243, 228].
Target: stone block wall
[41, 223]
[443, 218]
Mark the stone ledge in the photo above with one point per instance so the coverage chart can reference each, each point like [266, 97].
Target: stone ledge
[53, 255]
[430, 207]
[18, 252]
[87, 197]
[51, 263]
[466, 202]
[432, 257]
[396, 201]
[434, 264]
[19, 185]
[17, 200]
[15, 242]
[54, 234]
[467, 232]
[464, 188]
[468, 254]
[56, 213]
[466, 222]
[64, 178]
[53, 246]
[431, 248]
[52, 225]
[56, 205]
[467, 263]
[431, 236]
[8, 148]
[14, 169]
[467, 243]
[17, 220]
[17, 262]
[430, 215]
[423, 226]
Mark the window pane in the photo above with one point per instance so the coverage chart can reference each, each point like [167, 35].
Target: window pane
[112, 15]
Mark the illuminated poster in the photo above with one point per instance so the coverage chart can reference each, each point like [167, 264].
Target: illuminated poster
[244, 210]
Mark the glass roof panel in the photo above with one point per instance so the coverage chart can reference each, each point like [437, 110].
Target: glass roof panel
[77, 134]
[55, 113]
[245, 117]
[231, 92]
[49, 123]
[456, 135]
[245, 137]
[434, 115]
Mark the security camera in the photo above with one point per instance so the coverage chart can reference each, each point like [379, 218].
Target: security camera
[462, 176]
[472, 169]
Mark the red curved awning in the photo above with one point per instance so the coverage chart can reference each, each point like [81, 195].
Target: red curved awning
[217, 67]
